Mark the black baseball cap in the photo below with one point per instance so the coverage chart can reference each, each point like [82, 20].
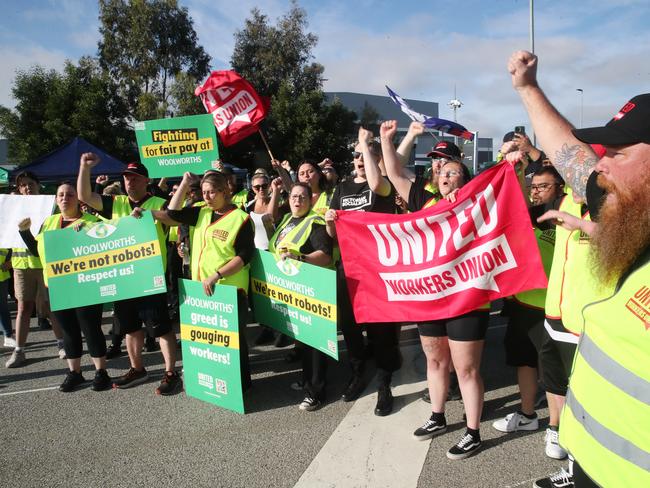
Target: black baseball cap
[630, 125]
[136, 169]
[446, 149]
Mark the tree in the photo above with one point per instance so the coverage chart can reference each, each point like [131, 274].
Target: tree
[146, 45]
[277, 60]
[53, 107]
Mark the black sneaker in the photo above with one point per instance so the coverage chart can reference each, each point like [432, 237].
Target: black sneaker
[384, 401]
[113, 351]
[354, 389]
[132, 377]
[101, 381]
[71, 382]
[44, 323]
[431, 428]
[310, 404]
[559, 480]
[171, 383]
[466, 446]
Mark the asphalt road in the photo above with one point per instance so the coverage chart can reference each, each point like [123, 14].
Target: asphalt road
[135, 438]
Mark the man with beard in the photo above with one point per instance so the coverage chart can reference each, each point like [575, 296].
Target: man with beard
[605, 420]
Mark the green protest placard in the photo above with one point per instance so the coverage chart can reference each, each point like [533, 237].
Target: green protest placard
[296, 298]
[104, 262]
[170, 147]
[210, 342]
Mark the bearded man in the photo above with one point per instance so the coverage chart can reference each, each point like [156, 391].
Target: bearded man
[606, 419]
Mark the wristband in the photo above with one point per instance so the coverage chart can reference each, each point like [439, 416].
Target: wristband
[219, 275]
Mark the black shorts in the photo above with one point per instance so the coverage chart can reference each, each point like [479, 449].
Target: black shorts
[524, 333]
[149, 310]
[471, 326]
[556, 357]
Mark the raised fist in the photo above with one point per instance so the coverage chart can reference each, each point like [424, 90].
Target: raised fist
[365, 135]
[89, 160]
[523, 69]
[388, 129]
[25, 224]
[102, 180]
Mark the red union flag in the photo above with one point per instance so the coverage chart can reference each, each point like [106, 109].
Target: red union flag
[235, 106]
[445, 260]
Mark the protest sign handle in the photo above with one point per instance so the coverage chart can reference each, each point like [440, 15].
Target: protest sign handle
[268, 149]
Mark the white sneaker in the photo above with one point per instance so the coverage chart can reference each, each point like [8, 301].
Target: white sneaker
[553, 449]
[10, 342]
[514, 422]
[62, 354]
[16, 360]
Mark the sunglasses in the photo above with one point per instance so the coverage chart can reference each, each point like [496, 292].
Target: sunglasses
[260, 187]
[451, 173]
[357, 155]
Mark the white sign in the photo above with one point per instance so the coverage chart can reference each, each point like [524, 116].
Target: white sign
[15, 208]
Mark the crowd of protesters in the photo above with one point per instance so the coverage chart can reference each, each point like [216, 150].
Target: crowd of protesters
[580, 338]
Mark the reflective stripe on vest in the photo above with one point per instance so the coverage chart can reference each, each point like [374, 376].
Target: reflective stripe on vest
[606, 420]
[122, 208]
[214, 245]
[296, 237]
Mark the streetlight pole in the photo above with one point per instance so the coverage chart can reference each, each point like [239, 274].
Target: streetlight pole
[531, 30]
[582, 105]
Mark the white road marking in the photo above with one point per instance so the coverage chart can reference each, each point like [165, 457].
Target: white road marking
[29, 391]
[366, 450]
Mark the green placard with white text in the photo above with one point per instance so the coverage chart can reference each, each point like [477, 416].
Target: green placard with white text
[297, 299]
[103, 262]
[170, 147]
[210, 342]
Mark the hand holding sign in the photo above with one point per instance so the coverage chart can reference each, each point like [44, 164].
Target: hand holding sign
[24, 224]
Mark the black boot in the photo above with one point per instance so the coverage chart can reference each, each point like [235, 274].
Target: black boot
[384, 401]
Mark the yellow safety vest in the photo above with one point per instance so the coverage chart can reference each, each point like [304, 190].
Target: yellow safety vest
[4, 275]
[213, 245]
[122, 208]
[53, 222]
[322, 204]
[557, 275]
[546, 244]
[240, 198]
[606, 418]
[293, 240]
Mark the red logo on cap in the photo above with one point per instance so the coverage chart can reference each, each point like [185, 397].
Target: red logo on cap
[441, 145]
[626, 108]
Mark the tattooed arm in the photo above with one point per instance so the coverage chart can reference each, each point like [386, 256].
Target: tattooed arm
[574, 160]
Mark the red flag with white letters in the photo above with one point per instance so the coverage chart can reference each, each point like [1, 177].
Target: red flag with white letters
[443, 261]
[235, 106]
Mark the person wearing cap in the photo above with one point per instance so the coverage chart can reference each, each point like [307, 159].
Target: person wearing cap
[29, 286]
[152, 309]
[606, 419]
[458, 340]
[368, 191]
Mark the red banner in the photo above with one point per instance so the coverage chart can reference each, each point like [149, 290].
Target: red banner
[235, 106]
[445, 260]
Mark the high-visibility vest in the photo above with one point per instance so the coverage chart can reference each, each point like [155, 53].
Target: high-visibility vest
[4, 275]
[213, 245]
[122, 208]
[53, 222]
[546, 244]
[556, 277]
[606, 418]
[293, 240]
[322, 203]
[240, 198]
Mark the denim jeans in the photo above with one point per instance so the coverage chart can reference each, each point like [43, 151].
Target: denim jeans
[5, 318]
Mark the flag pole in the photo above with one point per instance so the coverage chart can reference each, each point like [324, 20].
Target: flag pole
[268, 149]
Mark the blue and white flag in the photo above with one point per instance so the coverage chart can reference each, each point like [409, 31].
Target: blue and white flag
[446, 126]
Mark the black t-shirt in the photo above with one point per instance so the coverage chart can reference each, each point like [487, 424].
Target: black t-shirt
[319, 239]
[244, 242]
[349, 195]
[418, 195]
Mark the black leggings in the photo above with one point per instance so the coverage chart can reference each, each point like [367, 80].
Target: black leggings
[88, 320]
